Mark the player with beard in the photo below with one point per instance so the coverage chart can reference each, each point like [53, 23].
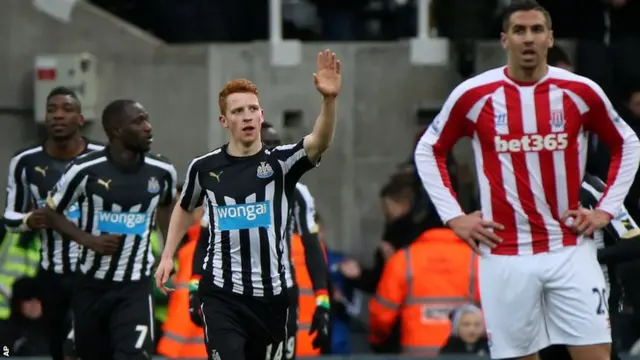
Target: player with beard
[119, 190]
[32, 173]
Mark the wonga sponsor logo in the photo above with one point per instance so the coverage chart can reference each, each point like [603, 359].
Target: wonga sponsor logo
[73, 212]
[531, 143]
[244, 216]
[125, 223]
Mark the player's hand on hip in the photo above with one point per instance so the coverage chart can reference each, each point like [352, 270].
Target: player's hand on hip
[163, 273]
[584, 221]
[472, 228]
[328, 78]
[104, 244]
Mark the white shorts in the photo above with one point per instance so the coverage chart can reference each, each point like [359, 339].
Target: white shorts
[533, 301]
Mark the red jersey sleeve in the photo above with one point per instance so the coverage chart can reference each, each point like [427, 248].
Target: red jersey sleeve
[447, 128]
[623, 143]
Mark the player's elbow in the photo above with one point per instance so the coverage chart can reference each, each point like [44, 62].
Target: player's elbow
[633, 142]
[316, 144]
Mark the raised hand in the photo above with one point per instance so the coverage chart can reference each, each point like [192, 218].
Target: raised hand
[328, 78]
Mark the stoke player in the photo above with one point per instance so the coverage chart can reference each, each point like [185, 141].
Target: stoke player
[540, 280]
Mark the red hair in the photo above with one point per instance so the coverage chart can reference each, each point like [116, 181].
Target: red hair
[232, 87]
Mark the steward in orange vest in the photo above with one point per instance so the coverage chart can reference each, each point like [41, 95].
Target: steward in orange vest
[182, 339]
[420, 286]
[306, 300]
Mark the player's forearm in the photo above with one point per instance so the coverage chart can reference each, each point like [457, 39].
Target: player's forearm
[431, 164]
[62, 225]
[164, 216]
[324, 128]
[316, 263]
[622, 170]
[180, 222]
[200, 252]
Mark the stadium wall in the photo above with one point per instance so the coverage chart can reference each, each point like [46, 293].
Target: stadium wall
[179, 87]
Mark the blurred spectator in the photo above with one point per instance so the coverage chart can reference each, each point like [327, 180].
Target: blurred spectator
[468, 334]
[402, 227]
[420, 286]
[19, 257]
[345, 302]
[340, 20]
[559, 58]
[28, 337]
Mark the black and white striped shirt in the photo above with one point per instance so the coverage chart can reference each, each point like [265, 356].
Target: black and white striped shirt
[32, 174]
[621, 227]
[302, 221]
[113, 200]
[248, 200]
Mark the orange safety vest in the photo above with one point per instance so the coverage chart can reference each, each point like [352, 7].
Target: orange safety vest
[306, 299]
[181, 338]
[421, 285]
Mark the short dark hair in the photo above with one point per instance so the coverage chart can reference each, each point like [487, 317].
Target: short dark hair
[64, 91]
[398, 190]
[522, 5]
[114, 112]
[267, 125]
[556, 56]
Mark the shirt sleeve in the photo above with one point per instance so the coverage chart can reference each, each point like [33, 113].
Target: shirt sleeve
[18, 193]
[622, 225]
[68, 189]
[305, 224]
[192, 193]
[171, 182]
[294, 161]
[623, 143]
[304, 215]
[447, 128]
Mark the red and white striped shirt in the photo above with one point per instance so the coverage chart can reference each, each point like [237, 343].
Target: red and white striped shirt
[530, 145]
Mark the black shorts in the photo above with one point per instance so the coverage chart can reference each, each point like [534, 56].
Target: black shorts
[57, 291]
[113, 321]
[292, 325]
[242, 328]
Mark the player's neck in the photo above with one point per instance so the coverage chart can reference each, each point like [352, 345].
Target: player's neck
[238, 149]
[122, 156]
[65, 149]
[527, 76]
